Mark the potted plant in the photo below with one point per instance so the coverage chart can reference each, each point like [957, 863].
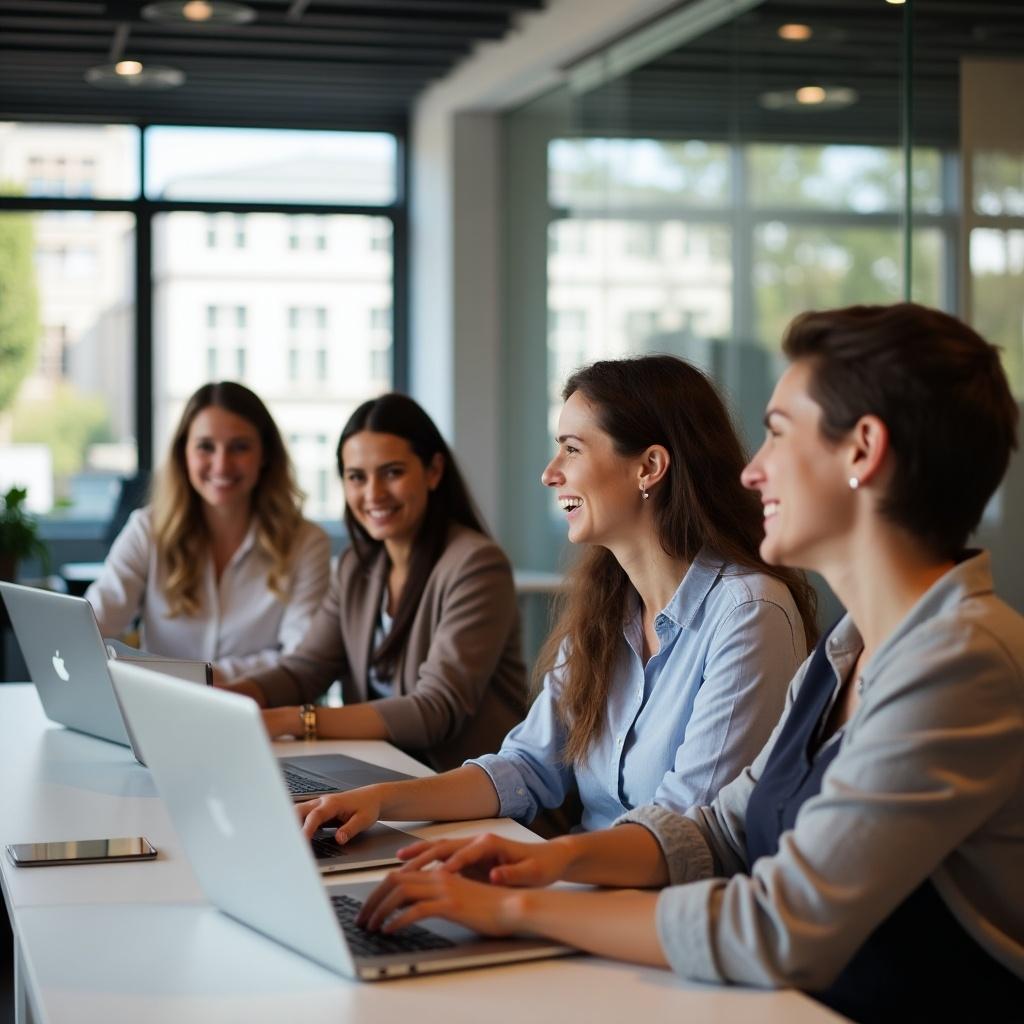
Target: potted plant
[19, 534]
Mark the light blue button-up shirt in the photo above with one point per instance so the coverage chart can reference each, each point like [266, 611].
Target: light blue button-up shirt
[682, 725]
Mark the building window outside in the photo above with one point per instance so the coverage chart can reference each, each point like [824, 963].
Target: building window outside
[381, 237]
[83, 373]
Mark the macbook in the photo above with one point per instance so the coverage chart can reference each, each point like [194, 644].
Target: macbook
[310, 775]
[236, 822]
[68, 662]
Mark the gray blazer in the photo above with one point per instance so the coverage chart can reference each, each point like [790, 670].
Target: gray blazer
[460, 683]
[928, 782]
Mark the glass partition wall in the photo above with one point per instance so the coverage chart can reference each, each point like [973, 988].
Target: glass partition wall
[696, 184]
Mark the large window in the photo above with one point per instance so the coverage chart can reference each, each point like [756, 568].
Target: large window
[649, 233]
[298, 325]
[692, 187]
[265, 257]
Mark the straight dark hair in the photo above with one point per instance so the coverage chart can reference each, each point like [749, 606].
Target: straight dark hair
[656, 399]
[940, 389]
[448, 503]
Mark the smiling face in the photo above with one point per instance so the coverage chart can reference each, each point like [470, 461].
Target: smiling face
[802, 478]
[223, 458]
[387, 486]
[596, 488]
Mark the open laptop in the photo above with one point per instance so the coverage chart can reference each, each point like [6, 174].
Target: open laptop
[234, 818]
[67, 660]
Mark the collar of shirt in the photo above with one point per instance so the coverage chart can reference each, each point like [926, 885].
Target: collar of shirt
[682, 607]
[969, 577]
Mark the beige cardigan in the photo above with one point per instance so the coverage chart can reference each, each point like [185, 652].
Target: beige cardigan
[460, 683]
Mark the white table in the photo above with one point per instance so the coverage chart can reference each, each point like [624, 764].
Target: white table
[138, 942]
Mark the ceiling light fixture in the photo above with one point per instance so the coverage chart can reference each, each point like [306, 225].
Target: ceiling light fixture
[197, 10]
[200, 12]
[795, 33]
[811, 95]
[896, 3]
[809, 98]
[133, 74]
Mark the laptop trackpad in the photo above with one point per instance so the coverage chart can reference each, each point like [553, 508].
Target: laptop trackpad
[376, 847]
[343, 771]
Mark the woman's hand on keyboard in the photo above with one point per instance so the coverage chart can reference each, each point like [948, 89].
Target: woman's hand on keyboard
[405, 897]
[353, 811]
[491, 858]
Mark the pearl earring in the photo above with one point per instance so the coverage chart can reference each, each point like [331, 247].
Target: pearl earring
[854, 483]
[643, 491]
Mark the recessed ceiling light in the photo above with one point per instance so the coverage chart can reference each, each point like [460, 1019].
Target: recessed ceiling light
[811, 94]
[896, 3]
[795, 33]
[809, 97]
[197, 10]
[133, 74]
[200, 12]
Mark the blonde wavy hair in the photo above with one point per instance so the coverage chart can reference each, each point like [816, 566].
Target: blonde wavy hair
[179, 527]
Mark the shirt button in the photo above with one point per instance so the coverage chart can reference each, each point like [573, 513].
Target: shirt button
[520, 792]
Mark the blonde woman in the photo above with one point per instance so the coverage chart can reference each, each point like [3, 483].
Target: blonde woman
[221, 566]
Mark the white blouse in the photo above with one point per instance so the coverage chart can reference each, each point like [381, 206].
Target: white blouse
[241, 627]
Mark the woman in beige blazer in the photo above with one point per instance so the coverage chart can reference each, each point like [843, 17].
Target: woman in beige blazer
[420, 622]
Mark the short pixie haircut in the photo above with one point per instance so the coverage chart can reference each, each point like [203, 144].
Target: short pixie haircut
[940, 389]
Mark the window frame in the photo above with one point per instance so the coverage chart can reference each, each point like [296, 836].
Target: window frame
[145, 210]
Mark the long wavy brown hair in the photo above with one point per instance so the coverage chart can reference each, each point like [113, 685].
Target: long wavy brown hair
[639, 402]
[179, 527]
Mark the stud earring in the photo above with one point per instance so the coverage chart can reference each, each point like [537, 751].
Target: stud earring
[854, 483]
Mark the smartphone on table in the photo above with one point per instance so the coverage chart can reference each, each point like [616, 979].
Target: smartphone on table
[81, 851]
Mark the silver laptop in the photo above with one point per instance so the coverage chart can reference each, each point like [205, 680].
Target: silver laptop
[234, 817]
[66, 660]
[310, 775]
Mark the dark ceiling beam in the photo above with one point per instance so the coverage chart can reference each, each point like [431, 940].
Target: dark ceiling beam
[419, 6]
[423, 32]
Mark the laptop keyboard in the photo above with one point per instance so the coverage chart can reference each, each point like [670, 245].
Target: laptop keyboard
[298, 783]
[410, 940]
[325, 846]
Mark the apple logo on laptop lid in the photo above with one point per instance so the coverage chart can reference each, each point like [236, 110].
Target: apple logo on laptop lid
[220, 815]
[58, 666]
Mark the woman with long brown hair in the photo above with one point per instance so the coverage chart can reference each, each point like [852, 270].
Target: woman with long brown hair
[220, 565]
[420, 623]
[669, 661]
[871, 852]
